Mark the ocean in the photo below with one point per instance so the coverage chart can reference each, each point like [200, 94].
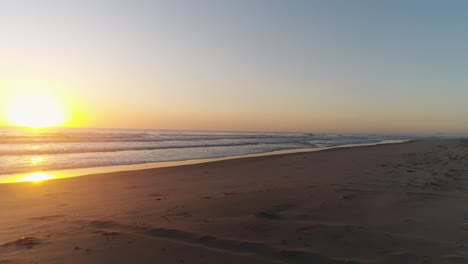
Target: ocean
[23, 151]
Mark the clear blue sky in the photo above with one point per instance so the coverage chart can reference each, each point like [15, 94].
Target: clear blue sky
[331, 66]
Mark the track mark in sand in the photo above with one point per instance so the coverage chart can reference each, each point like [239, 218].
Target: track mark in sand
[432, 194]
[232, 246]
[25, 242]
[87, 251]
[238, 246]
[156, 195]
[330, 227]
[348, 197]
[177, 212]
[465, 226]
[109, 235]
[274, 213]
[403, 257]
[132, 212]
[259, 228]
[455, 258]
[355, 190]
[181, 214]
[47, 217]
[283, 206]
[56, 194]
[101, 224]
[268, 215]
[230, 193]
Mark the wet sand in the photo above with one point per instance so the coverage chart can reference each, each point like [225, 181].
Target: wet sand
[397, 203]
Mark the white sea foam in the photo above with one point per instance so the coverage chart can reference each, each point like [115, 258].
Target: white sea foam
[22, 151]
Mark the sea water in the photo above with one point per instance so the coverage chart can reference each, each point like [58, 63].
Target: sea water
[23, 151]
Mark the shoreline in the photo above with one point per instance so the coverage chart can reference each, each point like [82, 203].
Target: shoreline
[41, 175]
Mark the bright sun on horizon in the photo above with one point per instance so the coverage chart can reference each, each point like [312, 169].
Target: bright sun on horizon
[36, 111]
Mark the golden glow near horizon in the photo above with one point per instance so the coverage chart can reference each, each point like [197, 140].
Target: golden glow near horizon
[336, 74]
[35, 111]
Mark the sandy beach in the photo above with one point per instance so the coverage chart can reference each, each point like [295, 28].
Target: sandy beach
[396, 203]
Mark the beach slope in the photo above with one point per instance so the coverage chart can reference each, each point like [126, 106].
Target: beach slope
[396, 203]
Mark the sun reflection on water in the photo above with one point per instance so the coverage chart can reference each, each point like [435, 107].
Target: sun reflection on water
[35, 147]
[36, 177]
[37, 160]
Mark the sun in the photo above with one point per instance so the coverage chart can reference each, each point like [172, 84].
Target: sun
[35, 111]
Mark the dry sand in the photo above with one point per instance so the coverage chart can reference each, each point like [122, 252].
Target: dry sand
[399, 203]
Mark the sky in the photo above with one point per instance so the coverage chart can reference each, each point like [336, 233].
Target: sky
[245, 65]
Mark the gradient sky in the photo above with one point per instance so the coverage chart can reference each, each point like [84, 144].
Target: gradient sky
[316, 66]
